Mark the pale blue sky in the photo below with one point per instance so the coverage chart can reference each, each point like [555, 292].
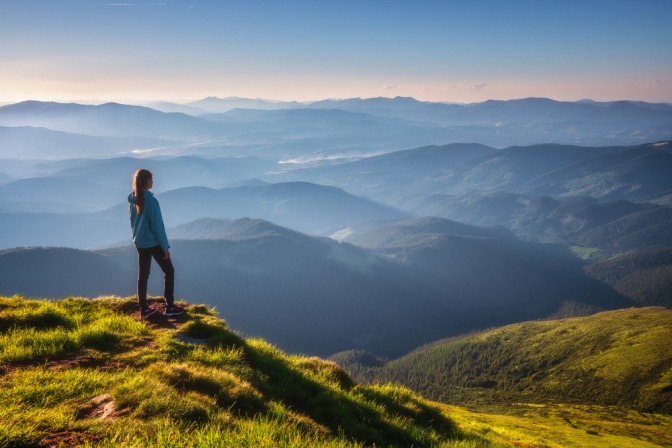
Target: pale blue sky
[463, 51]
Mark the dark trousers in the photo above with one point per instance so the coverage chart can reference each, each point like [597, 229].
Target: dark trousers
[144, 262]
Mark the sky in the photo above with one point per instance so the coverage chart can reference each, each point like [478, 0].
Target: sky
[308, 50]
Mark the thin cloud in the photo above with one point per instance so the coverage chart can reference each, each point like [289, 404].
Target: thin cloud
[321, 158]
[460, 87]
[137, 4]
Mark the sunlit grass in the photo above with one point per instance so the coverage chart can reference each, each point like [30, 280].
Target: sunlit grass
[43, 331]
[199, 384]
[560, 426]
[619, 357]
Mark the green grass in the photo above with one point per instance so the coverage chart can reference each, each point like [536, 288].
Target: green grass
[561, 426]
[80, 372]
[600, 380]
[615, 358]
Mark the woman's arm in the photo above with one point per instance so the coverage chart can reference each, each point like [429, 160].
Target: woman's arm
[157, 226]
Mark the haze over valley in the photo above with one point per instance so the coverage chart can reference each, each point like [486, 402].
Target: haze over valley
[273, 210]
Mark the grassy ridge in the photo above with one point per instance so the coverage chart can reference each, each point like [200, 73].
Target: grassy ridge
[621, 357]
[80, 372]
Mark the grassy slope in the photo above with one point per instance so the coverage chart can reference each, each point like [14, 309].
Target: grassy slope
[83, 372]
[621, 357]
[562, 426]
[88, 372]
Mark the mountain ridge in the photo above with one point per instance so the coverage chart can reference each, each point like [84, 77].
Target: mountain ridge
[109, 120]
[302, 206]
[496, 123]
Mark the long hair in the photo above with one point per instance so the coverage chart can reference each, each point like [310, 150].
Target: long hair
[141, 179]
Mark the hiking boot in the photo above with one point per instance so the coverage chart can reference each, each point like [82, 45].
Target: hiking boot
[173, 310]
[146, 312]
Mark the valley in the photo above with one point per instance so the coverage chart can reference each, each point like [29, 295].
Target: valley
[363, 244]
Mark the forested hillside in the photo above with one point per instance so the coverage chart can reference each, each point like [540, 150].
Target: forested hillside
[645, 277]
[620, 358]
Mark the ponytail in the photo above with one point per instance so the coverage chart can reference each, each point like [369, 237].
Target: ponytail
[141, 179]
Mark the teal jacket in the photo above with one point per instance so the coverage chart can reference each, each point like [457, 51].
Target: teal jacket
[148, 229]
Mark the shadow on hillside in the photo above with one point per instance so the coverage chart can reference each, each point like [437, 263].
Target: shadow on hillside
[356, 415]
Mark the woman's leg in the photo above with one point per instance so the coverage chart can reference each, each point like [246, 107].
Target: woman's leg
[166, 266]
[144, 264]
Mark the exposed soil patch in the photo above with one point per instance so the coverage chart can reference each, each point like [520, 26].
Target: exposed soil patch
[66, 439]
[158, 320]
[72, 363]
[131, 306]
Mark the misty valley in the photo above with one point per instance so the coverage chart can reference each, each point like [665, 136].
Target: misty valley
[406, 240]
[320, 227]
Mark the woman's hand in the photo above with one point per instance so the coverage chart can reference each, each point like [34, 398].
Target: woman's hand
[166, 254]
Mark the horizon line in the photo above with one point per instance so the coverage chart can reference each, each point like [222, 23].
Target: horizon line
[138, 102]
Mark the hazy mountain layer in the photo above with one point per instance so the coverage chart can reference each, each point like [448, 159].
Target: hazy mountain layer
[26, 142]
[109, 120]
[315, 295]
[602, 228]
[639, 173]
[302, 206]
[527, 110]
[324, 130]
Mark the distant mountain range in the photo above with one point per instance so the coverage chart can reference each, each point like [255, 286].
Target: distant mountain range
[606, 228]
[499, 212]
[302, 206]
[58, 195]
[607, 199]
[526, 110]
[613, 198]
[25, 142]
[214, 105]
[607, 173]
[56, 186]
[323, 129]
[107, 120]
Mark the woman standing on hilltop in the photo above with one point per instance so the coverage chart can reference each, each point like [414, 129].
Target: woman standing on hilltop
[149, 237]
